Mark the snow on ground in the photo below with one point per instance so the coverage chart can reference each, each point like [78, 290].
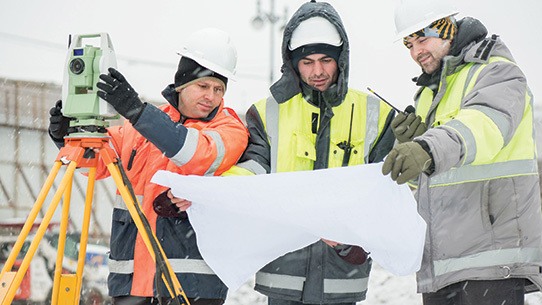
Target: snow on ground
[384, 289]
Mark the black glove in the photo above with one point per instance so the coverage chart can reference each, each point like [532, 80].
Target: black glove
[58, 123]
[354, 255]
[406, 161]
[117, 91]
[163, 206]
[407, 125]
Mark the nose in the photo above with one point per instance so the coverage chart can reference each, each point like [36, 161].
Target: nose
[318, 68]
[415, 50]
[210, 94]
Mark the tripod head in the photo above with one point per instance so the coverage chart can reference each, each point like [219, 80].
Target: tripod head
[84, 64]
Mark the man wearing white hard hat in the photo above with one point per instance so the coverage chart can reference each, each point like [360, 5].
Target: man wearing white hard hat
[311, 121]
[193, 134]
[472, 159]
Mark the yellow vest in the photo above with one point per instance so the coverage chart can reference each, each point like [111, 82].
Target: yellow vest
[486, 157]
[293, 141]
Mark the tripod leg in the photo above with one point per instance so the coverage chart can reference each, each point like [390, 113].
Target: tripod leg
[36, 208]
[85, 229]
[61, 242]
[10, 294]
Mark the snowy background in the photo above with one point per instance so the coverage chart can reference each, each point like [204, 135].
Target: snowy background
[146, 36]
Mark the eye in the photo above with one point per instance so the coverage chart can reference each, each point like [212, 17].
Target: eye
[327, 60]
[219, 90]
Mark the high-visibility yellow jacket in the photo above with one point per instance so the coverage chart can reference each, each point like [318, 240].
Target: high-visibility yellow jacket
[288, 137]
[482, 203]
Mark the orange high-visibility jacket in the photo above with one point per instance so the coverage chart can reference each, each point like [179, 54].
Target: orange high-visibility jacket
[211, 146]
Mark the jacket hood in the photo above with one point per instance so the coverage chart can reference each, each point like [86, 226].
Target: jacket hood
[290, 83]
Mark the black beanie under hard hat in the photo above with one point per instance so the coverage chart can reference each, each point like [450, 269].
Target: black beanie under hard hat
[316, 48]
[189, 70]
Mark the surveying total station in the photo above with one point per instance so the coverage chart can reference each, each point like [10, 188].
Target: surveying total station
[86, 145]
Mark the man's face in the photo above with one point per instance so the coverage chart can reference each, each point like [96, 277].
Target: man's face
[428, 52]
[198, 99]
[318, 71]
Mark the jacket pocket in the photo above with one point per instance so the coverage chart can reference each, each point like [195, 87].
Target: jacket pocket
[123, 235]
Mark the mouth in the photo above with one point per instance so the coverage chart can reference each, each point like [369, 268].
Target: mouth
[424, 58]
[204, 107]
[319, 82]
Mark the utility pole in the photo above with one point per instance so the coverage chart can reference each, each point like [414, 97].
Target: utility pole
[259, 20]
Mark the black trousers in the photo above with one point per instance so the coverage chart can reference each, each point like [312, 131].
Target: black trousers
[131, 300]
[496, 292]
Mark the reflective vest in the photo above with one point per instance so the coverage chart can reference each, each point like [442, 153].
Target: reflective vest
[484, 214]
[296, 136]
[486, 157]
[316, 273]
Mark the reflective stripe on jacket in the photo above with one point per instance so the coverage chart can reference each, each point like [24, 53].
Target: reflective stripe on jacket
[482, 204]
[210, 148]
[316, 273]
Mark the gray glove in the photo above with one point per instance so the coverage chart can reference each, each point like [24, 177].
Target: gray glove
[406, 126]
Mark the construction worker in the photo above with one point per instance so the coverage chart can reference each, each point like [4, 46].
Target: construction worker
[471, 148]
[193, 134]
[311, 121]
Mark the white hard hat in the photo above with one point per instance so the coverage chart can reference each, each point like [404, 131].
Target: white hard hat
[213, 49]
[414, 15]
[315, 30]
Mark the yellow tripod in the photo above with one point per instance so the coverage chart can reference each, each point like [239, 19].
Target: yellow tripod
[81, 152]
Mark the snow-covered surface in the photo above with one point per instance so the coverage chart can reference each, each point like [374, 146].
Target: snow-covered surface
[384, 289]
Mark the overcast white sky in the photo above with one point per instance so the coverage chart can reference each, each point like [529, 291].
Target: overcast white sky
[34, 35]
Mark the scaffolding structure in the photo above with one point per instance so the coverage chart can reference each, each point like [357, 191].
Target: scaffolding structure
[26, 152]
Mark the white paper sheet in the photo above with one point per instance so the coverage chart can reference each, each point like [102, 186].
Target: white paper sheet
[244, 222]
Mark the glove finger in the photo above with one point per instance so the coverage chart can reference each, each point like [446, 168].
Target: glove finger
[55, 119]
[55, 111]
[397, 166]
[407, 175]
[105, 86]
[116, 74]
[413, 126]
[102, 95]
[388, 163]
[58, 104]
[421, 129]
[399, 118]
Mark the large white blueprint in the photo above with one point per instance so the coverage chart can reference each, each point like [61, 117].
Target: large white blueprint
[244, 222]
